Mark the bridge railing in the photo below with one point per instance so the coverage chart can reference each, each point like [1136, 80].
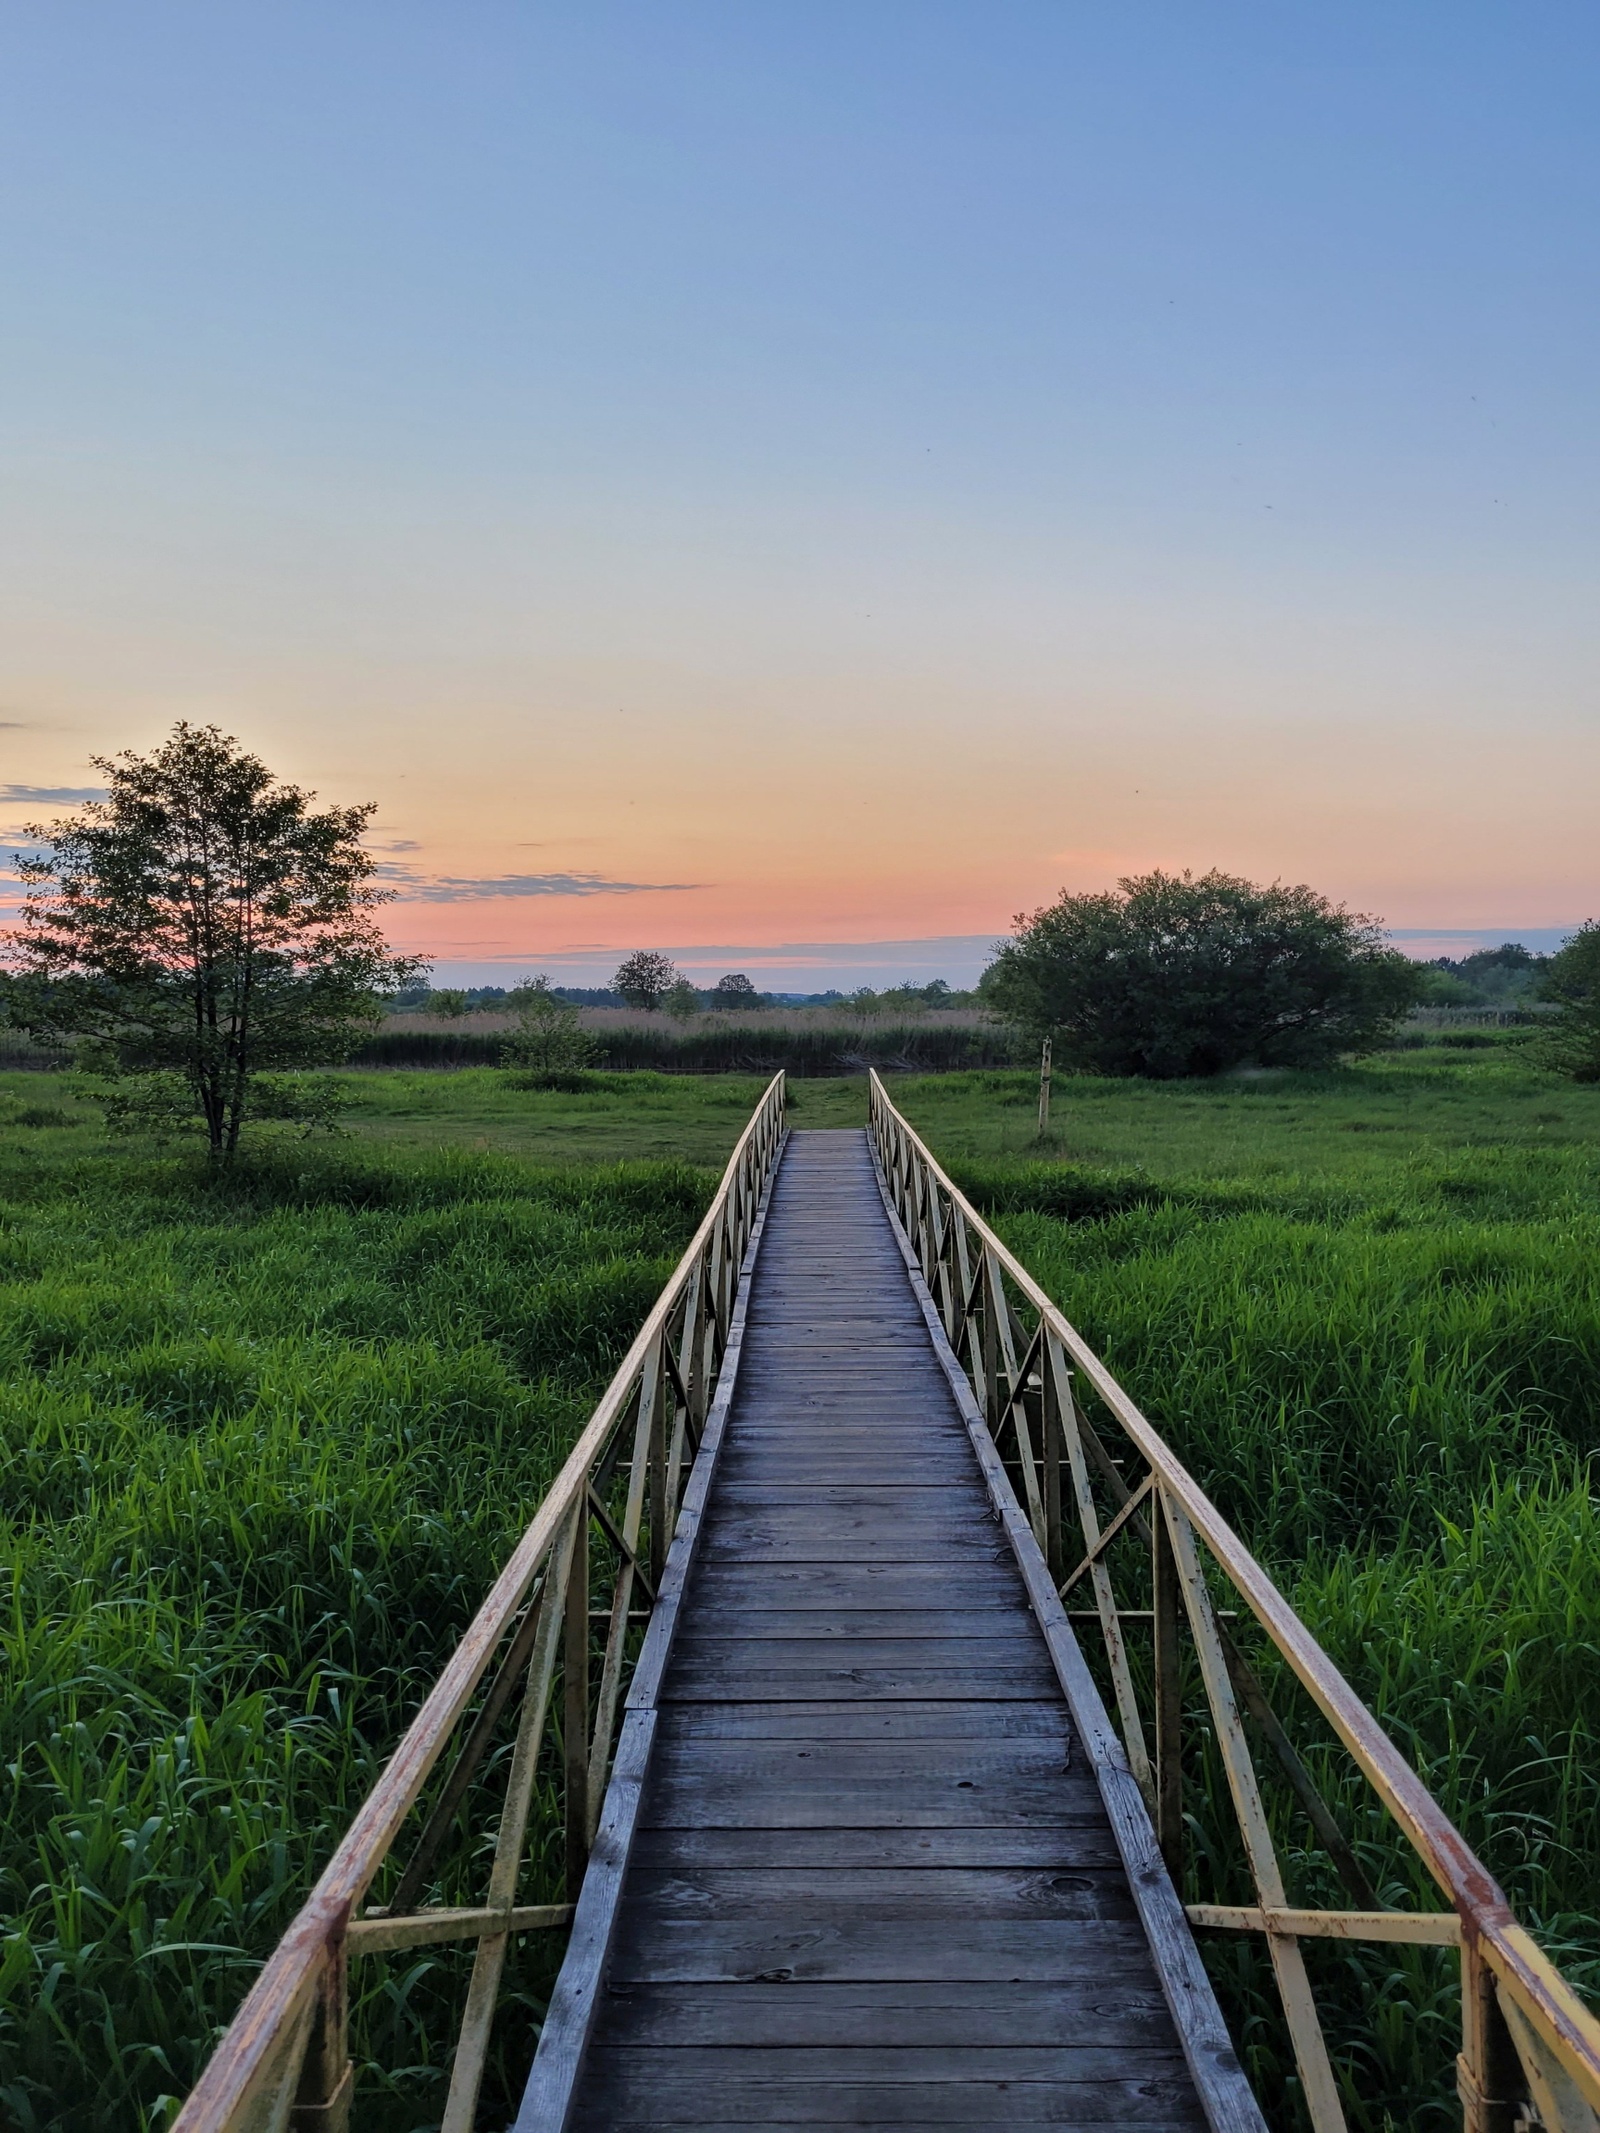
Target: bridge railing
[564, 1616]
[1530, 2050]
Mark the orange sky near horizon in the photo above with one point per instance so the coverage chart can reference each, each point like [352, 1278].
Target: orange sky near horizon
[766, 475]
[861, 821]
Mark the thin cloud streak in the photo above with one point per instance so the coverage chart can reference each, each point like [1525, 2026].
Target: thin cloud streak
[60, 793]
[458, 889]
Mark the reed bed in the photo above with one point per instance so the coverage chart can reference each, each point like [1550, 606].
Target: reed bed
[720, 1044]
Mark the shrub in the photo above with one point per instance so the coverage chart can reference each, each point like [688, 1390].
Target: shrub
[1177, 976]
[547, 1039]
[1572, 1045]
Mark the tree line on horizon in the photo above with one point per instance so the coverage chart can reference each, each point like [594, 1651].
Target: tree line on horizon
[206, 938]
[734, 993]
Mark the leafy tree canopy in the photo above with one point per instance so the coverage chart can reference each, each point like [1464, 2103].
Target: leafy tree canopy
[1489, 977]
[202, 921]
[1172, 975]
[1572, 979]
[734, 990]
[645, 978]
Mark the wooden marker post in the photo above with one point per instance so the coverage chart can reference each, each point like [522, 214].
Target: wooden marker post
[1044, 1089]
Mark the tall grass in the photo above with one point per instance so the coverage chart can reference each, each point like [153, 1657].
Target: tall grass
[264, 1446]
[733, 1047]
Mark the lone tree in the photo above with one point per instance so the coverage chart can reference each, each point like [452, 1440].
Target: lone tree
[547, 1038]
[1177, 976]
[203, 922]
[645, 978]
[735, 990]
[1571, 1044]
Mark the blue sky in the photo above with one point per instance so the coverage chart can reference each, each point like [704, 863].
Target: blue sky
[762, 474]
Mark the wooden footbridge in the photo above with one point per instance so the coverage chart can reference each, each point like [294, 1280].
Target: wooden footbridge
[849, 1837]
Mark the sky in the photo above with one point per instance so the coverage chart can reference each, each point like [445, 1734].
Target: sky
[801, 484]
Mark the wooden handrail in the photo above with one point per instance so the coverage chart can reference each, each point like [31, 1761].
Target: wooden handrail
[283, 2058]
[1492, 1941]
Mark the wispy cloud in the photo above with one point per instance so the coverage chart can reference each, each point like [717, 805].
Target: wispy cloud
[457, 889]
[65, 794]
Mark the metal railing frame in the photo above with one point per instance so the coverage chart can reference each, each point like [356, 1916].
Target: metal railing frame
[1530, 2053]
[284, 2064]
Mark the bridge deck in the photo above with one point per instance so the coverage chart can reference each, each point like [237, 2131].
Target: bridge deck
[872, 1880]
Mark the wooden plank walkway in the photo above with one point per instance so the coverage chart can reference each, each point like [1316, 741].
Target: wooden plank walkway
[871, 1879]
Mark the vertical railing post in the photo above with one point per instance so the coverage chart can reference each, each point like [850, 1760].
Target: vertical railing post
[989, 1390]
[1317, 2079]
[1165, 1602]
[1052, 1367]
[472, 2046]
[1488, 2073]
[690, 1361]
[327, 2077]
[575, 1702]
[654, 1390]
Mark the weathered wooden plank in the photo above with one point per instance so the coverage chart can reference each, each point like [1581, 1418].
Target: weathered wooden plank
[962, 1625]
[873, 1464]
[763, 1542]
[1047, 1847]
[930, 1801]
[839, 1678]
[898, 1892]
[913, 1640]
[891, 1422]
[632, 2124]
[986, 2016]
[845, 1585]
[902, 1444]
[928, 2065]
[925, 1719]
[1044, 1764]
[830, 1492]
[895, 1418]
[1007, 1950]
[664, 2090]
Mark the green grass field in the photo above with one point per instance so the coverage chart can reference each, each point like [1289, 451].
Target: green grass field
[264, 1442]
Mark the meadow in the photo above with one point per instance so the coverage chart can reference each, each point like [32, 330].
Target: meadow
[264, 1441]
